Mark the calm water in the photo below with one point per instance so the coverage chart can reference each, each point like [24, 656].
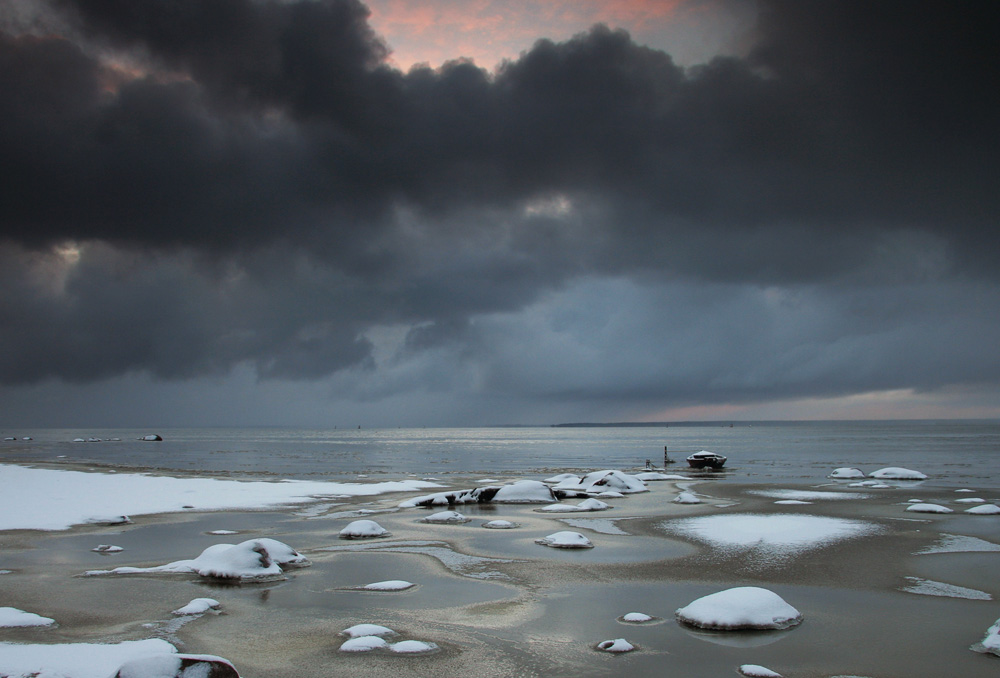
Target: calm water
[953, 453]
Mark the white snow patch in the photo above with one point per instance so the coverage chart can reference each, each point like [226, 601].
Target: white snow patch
[412, 647]
[686, 498]
[585, 505]
[928, 508]
[363, 644]
[565, 540]
[12, 617]
[991, 642]
[771, 537]
[500, 525]
[223, 532]
[958, 543]
[79, 660]
[744, 607]
[926, 587]
[361, 630]
[47, 499]
[971, 500]
[793, 502]
[809, 495]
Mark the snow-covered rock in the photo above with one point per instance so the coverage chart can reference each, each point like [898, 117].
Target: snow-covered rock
[847, 472]
[971, 500]
[389, 585]
[991, 642]
[413, 647]
[249, 560]
[178, 666]
[585, 505]
[446, 518]
[361, 630]
[525, 492]
[151, 438]
[757, 671]
[928, 508]
[616, 645]
[744, 607]
[363, 529]
[12, 617]
[600, 481]
[500, 525]
[198, 606]
[984, 510]
[566, 540]
[107, 548]
[363, 644]
[636, 618]
[897, 473]
[686, 498]
[520, 492]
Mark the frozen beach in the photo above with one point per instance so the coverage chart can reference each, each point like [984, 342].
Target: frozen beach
[835, 575]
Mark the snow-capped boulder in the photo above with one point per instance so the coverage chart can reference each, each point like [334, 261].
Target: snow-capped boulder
[984, 510]
[897, 473]
[991, 642]
[928, 508]
[282, 553]
[107, 548]
[363, 644]
[361, 630]
[616, 645]
[197, 606]
[363, 529]
[744, 607]
[152, 438]
[478, 495]
[446, 518]
[525, 492]
[566, 540]
[757, 671]
[847, 472]
[585, 505]
[413, 647]
[636, 618]
[686, 498]
[178, 666]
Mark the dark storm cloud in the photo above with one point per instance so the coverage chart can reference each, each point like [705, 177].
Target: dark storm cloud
[280, 190]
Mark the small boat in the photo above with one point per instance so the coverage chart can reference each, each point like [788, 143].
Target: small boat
[706, 459]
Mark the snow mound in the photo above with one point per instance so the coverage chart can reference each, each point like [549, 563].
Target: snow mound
[566, 540]
[500, 525]
[525, 492]
[361, 630]
[413, 647]
[971, 500]
[520, 492]
[928, 508]
[757, 671]
[363, 529]
[198, 606]
[107, 548]
[991, 642]
[585, 505]
[847, 472]
[744, 607]
[255, 559]
[12, 617]
[897, 473]
[616, 645]
[446, 518]
[686, 498]
[389, 585]
[984, 510]
[165, 665]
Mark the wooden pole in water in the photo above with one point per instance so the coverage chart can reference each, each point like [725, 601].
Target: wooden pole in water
[666, 457]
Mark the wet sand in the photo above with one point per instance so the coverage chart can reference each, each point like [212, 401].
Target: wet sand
[520, 609]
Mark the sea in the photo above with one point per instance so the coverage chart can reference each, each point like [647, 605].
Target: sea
[952, 453]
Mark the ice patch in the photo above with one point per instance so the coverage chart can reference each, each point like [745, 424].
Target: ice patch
[809, 495]
[599, 525]
[11, 617]
[474, 567]
[926, 587]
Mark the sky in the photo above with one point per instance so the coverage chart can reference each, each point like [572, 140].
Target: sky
[325, 213]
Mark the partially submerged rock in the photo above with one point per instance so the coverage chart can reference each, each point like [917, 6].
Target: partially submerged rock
[617, 645]
[990, 644]
[897, 473]
[847, 472]
[446, 518]
[744, 607]
[198, 606]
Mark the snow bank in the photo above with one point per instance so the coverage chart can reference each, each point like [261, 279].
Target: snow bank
[12, 617]
[566, 540]
[47, 499]
[897, 473]
[745, 607]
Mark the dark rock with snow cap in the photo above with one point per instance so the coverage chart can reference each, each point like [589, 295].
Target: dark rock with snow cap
[177, 666]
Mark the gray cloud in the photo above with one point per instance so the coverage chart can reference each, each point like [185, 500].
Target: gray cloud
[249, 184]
